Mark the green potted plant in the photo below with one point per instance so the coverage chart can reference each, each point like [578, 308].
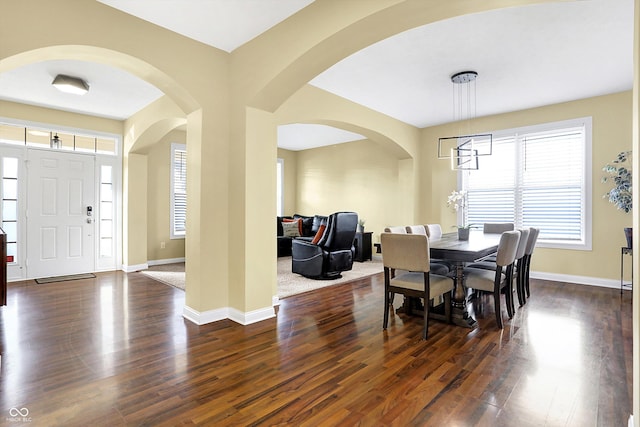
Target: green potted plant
[361, 225]
[620, 195]
[458, 201]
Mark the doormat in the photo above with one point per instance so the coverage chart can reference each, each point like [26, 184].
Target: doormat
[65, 278]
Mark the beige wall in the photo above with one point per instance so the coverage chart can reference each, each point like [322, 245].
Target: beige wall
[358, 176]
[32, 113]
[290, 159]
[158, 200]
[612, 118]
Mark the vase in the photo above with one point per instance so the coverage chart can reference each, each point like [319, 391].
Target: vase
[463, 234]
[628, 233]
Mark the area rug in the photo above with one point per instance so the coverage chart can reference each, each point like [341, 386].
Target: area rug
[292, 284]
[170, 274]
[288, 283]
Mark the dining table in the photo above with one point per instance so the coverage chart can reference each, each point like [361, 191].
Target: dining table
[458, 253]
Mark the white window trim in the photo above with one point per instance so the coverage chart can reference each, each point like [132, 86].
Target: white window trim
[585, 243]
[174, 147]
[281, 189]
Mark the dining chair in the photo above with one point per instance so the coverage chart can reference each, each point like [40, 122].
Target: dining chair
[410, 252]
[520, 266]
[497, 227]
[518, 269]
[396, 229]
[531, 244]
[434, 231]
[437, 267]
[416, 229]
[500, 278]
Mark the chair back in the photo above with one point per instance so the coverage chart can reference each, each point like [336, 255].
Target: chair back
[405, 251]
[395, 229]
[522, 243]
[531, 242]
[507, 248]
[434, 231]
[498, 227]
[340, 231]
[416, 229]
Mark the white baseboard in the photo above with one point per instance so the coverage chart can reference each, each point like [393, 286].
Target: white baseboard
[134, 268]
[165, 261]
[275, 300]
[580, 280]
[251, 316]
[630, 423]
[210, 316]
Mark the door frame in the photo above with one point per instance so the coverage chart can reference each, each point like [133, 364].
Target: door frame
[17, 271]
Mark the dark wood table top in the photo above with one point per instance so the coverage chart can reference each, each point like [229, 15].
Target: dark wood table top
[450, 248]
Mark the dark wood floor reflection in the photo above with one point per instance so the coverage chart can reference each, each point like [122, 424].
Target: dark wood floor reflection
[115, 350]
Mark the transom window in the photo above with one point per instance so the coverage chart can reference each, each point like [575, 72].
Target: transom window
[537, 177]
[41, 137]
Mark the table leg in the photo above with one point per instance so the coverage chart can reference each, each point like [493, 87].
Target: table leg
[459, 310]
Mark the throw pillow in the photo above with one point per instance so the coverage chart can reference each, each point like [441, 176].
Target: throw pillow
[319, 234]
[298, 223]
[290, 229]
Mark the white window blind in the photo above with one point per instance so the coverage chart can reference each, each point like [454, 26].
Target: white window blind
[178, 190]
[537, 177]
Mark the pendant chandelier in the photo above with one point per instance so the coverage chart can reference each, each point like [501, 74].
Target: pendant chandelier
[464, 149]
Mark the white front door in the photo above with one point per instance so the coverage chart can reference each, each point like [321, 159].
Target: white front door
[60, 221]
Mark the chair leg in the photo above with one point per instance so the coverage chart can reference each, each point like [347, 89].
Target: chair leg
[526, 281]
[496, 297]
[427, 303]
[509, 299]
[447, 307]
[520, 285]
[385, 320]
[387, 294]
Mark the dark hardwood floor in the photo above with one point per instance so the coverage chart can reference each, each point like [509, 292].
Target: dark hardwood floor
[115, 350]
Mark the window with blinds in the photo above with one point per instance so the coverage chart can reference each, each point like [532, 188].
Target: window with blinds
[537, 177]
[178, 190]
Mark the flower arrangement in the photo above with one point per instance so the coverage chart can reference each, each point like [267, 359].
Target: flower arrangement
[620, 194]
[458, 200]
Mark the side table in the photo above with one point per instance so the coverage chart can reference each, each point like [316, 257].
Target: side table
[625, 251]
[362, 243]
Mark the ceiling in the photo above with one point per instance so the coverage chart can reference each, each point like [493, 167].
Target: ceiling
[525, 57]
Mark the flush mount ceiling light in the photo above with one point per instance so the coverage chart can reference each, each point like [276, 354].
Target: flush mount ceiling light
[70, 84]
[463, 150]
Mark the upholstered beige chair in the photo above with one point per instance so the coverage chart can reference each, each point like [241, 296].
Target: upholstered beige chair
[410, 252]
[502, 277]
[531, 244]
[498, 228]
[416, 229]
[437, 267]
[434, 231]
[518, 268]
[401, 229]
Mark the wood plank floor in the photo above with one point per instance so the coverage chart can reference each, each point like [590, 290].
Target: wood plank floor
[115, 350]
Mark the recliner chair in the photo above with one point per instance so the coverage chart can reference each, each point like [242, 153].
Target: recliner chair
[332, 254]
